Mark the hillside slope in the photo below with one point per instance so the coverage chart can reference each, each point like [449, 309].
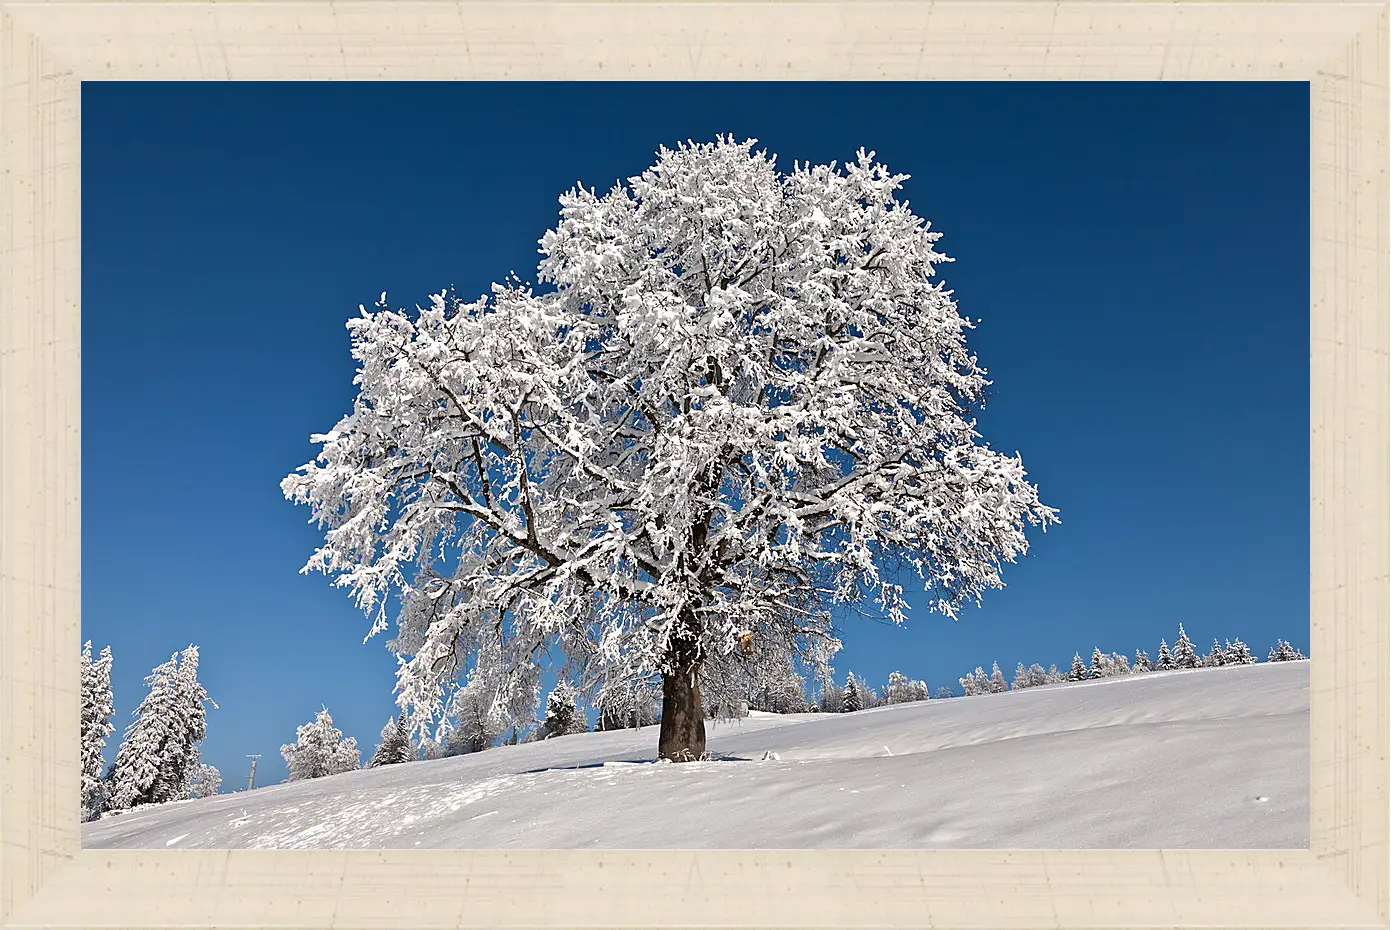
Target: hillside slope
[1215, 758]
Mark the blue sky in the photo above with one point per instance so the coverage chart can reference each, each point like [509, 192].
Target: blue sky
[1138, 254]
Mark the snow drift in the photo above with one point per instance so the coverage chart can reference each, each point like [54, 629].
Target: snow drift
[1212, 758]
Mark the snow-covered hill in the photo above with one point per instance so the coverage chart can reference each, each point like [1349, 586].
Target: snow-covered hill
[1209, 759]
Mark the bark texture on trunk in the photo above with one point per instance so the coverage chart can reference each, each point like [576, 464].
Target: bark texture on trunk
[682, 737]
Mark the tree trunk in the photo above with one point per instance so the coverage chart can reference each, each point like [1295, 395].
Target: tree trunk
[682, 737]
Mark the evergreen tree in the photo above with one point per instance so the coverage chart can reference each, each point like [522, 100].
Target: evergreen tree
[998, 685]
[563, 716]
[395, 746]
[918, 691]
[1053, 676]
[1184, 656]
[1166, 658]
[207, 782]
[1120, 665]
[320, 749]
[1021, 678]
[98, 706]
[1142, 661]
[854, 694]
[976, 682]
[1078, 671]
[1100, 666]
[832, 698]
[1037, 676]
[1238, 653]
[945, 692]
[158, 757]
[1284, 652]
[1216, 656]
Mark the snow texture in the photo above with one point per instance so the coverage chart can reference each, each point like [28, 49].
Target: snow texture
[1211, 758]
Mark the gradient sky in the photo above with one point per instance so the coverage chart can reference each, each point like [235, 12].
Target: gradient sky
[1138, 254]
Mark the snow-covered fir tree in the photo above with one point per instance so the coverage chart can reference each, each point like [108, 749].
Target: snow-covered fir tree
[977, 682]
[98, 706]
[1238, 653]
[1284, 652]
[1078, 672]
[1053, 676]
[854, 695]
[1120, 665]
[1100, 665]
[1142, 662]
[1165, 660]
[207, 782]
[1216, 656]
[740, 389]
[157, 760]
[832, 699]
[1021, 678]
[1184, 654]
[320, 749]
[944, 692]
[395, 746]
[563, 716]
[997, 684]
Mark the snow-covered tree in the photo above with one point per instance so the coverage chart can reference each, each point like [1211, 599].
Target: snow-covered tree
[945, 692]
[1166, 658]
[320, 749]
[1078, 671]
[1184, 654]
[207, 782]
[1100, 665]
[997, 684]
[1053, 676]
[98, 706]
[158, 757]
[1216, 656]
[897, 691]
[1238, 653]
[1284, 652]
[854, 695]
[1120, 665]
[977, 682]
[832, 699]
[395, 746]
[1142, 661]
[634, 704]
[563, 716]
[1021, 678]
[739, 390]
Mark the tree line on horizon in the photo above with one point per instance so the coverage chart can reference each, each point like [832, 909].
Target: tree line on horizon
[158, 758]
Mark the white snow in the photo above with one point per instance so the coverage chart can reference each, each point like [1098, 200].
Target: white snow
[1211, 758]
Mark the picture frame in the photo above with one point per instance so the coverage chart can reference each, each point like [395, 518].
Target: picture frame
[48, 48]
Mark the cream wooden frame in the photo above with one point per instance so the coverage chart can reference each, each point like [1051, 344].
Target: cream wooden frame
[48, 48]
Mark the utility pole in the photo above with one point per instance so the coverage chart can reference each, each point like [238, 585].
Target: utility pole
[251, 779]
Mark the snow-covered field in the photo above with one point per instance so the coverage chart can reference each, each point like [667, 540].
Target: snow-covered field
[1213, 758]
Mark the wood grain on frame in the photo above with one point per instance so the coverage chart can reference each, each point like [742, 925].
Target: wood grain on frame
[48, 48]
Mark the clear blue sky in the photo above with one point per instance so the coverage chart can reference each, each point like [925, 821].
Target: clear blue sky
[1138, 254]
